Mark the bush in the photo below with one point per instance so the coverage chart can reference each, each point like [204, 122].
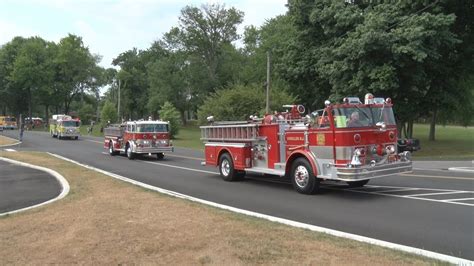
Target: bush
[239, 102]
[169, 113]
[86, 113]
[109, 113]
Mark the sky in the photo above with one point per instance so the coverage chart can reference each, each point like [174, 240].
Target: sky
[110, 27]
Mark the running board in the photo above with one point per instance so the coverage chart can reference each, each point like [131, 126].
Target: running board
[261, 170]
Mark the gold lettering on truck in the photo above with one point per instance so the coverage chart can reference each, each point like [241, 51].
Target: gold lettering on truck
[321, 139]
[295, 138]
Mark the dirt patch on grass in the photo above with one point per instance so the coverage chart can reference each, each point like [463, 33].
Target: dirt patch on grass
[7, 141]
[105, 221]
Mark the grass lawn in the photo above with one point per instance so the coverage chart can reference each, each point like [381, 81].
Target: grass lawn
[189, 137]
[7, 141]
[452, 142]
[106, 221]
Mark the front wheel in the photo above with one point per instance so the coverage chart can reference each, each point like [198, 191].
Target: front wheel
[226, 169]
[130, 154]
[302, 176]
[160, 156]
[359, 183]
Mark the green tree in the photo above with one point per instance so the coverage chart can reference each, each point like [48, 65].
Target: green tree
[133, 83]
[238, 102]
[205, 32]
[169, 113]
[75, 67]
[32, 71]
[109, 113]
[400, 50]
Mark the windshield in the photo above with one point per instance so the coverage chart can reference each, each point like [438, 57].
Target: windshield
[362, 116]
[384, 114]
[70, 124]
[143, 128]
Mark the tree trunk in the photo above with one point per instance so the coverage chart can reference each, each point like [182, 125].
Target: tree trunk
[410, 129]
[46, 111]
[183, 117]
[431, 136]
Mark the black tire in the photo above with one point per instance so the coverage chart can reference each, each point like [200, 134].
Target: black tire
[226, 169]
[76, 138]
[160, 156]
[302, 177]
[112, 152]
[130, 154]
[359, 183]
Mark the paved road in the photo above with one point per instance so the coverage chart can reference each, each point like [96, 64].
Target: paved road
[429, 209]
[22, 187]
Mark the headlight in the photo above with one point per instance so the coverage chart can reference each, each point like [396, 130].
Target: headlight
[390, 149]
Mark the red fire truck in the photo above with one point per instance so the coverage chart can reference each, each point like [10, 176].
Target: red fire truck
[351, 142]
[138, 137]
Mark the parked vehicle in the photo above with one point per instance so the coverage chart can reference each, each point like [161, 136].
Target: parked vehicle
[351, 142]
[64, 126]
[8, 122]
[138, 137]
[411, 145]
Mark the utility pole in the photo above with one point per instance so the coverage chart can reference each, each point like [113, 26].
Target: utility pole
[267, 107]
[118, 106]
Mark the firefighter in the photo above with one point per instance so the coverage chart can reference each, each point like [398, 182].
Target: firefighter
[354, 120]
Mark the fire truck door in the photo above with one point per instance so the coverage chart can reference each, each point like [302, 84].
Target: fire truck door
[260, 154]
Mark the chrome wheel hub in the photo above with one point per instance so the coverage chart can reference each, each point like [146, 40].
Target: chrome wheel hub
[225, 167]
[301, 176]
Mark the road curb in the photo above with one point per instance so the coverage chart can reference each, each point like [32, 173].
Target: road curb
[462, 169]
[8, 145]
[412, 250]
[62, 181]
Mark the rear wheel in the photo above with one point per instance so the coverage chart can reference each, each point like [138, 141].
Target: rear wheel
[302, 177]
[160, 156]
[130, 154]
[360, 183]
[76, 138]
[111, 149]
[226, 169]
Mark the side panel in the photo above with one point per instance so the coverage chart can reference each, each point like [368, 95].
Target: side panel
[240, 153]
[211, 155]
[273, 148]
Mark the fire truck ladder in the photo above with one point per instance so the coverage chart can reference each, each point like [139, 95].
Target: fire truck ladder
[230, 132]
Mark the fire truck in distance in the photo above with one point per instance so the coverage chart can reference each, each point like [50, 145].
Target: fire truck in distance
[138, 137]
[351, 142]
[64, 126]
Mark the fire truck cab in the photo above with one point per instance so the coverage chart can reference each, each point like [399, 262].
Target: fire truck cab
[64, 126]
[138, 137]
[351, 142]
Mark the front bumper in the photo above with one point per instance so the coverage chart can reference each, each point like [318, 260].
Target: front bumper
[368, 172]
[146, 150]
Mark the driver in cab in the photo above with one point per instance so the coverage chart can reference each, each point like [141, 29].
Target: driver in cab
[354, 120]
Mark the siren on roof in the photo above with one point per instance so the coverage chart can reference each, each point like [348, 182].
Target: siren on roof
[351, 100]
[369, 98]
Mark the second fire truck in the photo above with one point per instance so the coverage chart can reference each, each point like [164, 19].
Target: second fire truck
[138, 137]
[351, 142]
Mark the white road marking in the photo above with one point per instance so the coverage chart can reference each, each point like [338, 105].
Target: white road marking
[398, 190]
[184, 168]
[451, 200]
[314, 228]
[10, 150]
[62, 181]
[439, 193]
[440, 177]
